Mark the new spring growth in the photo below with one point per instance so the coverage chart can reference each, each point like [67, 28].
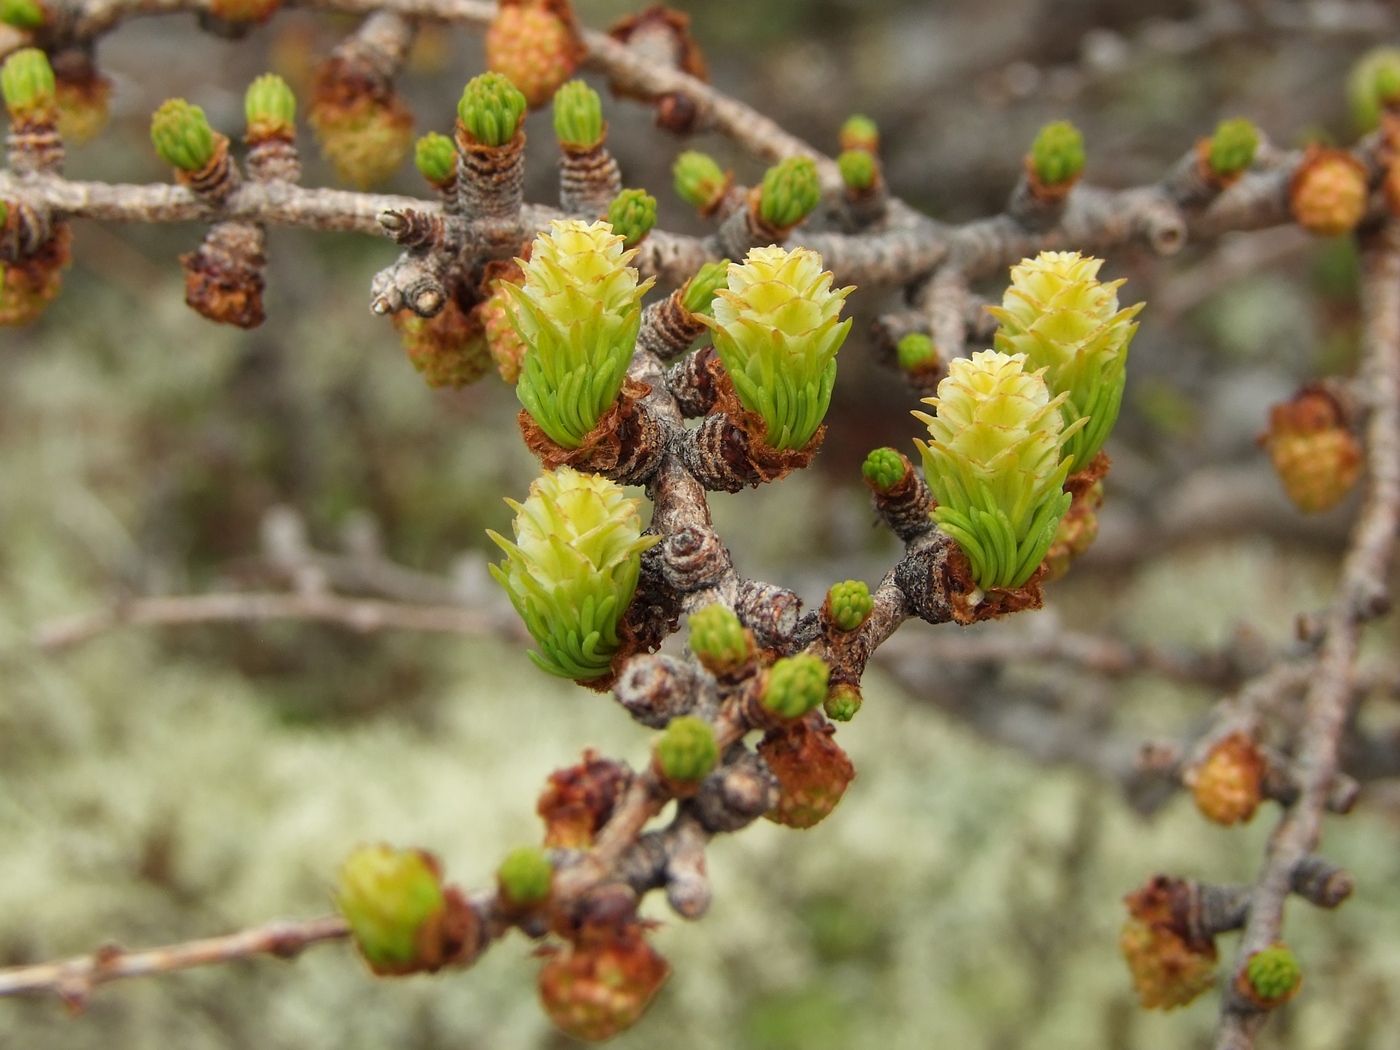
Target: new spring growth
[1067, 323]
[270, 108]
[524, 877]
[777, 329]
[573, 569]
[491, 109]
[789, 192]
[435, 156]
[1057, 154]
[883, 469]
[1273, 975]
[1374, 84]
[859, 133]
[858, 169]
[915, 353]
[700, 290]
[686, 750]
[26, 80]
[699, 180]
[578, 314]
[796, 684]
[719, 640]
[842, 702]
[389, 897]
[850, 604]
[994, 464]
[578, 116]
[22, 14]
[1232, 147]
[631, 215]
[182, 136]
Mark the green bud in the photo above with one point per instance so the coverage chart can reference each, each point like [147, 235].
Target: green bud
[860, 133]
[524, 877]
[796, 684]
[22, 14]
[1057, 154]
[719, 640]
[777, 329]
[573, 569]
[883, 469]
[182, 135]
[700, 290]
[699, 180]
[491, 109]
[270, 108]
[26, 80]
[578, 116]
[850, 604]
[388, 896]
[631, 215]
[789, 193]
[436, 157]
[1232, 146]
[1273, 973]
[687, 750]
[842, 702]
[916, 353]
[1373, 84]
[578, 314]
[858, 169]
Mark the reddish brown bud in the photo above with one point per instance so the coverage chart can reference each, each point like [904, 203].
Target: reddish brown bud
[577, 801]
[1169, 966]
[601, 984]
[812, 770]
[1317, 458]
[1327, 194]
[224, 276]
[1228, 785]
[449, 348]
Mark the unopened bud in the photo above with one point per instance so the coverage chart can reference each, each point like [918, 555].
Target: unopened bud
[632, 214]
[1232, 147]
[860, 133]
[491, 109]
[789, 192]
[1057, 154]
[1228, 785]
[578, 116]
[700, 290]
[883, 469]
[686, 751]
[1327, 194]
[719, 641]
[699, 180]
[270, 108]
[182, 136]
[850, 604]
[796, 684]
[525, 876]
[27, 83]
[843, 701]
[1271, 976]
[435, 156]
[858, 169]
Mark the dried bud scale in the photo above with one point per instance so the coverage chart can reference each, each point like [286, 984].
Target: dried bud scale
[580, 799]
[83, 95]
[503, 341]
[662, 35]
[240, 13]
[1171, 964]
[812, 771]
[449, 348]
[29, 285]
[601, 983]
[224, 277]
[536, 44]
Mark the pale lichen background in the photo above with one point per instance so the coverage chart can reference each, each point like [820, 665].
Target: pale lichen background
[157, 785]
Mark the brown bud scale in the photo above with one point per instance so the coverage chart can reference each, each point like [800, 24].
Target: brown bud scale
[625, 446]
[490, 179]
[589, 179]
[224, 276]
[578, 800]
[812, 770]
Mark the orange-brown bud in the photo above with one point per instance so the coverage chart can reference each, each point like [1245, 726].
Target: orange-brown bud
[1229, 784]
[1169, 968]
[1317, 457]
[601, 984]
[577, 801]
[1327, 194]
[27, 287]
[536, 44]
[812, 771]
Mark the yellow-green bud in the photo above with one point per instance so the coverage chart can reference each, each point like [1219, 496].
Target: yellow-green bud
[1373, 84]
[700, 290]
[858, 169]
[859, 132]
[883, 469]
[4, 213]
[1057, 154]
[26, 81]
[573, 569]
[578, 116]
[994, 464]
[1273, 973]
[719, 640]
[22, 14]
[1066, 322]
[631, 215]
[850, 604]
[842, 702]
[790, 191]
[777, 329]
[687, 750]
[436, 158]
[491, 109]
[270, 108]
[699, 180]
[1232, 147]
[524, 877]
[796, 684]
[578, 314]
[915, 352]
[182, 135]
[388, 896]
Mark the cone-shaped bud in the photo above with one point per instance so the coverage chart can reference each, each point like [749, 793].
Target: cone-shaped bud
[687, 750]
[796, 684]
[1168, 968]
[1374, 84]
[270, 108]
[631, 215]
[843, 701]
[1066, 322]
[22, 14]
[1232, 147]
[535, 44]
[435, 156]
[491, 109]
[1057, 154]
[777, 330]
[994, 462]
[700, 290]
[26, 80]
[392, 900]
[915, 353]
[883, 469]
[699, 180]
[719, 640]
[573, 569]
[578, 116]
[1271, 975]
[182, 136]
[578, 313]
[1327, 194]
[812, 771]
[1229, 784]
[449, 348]
[789, 192]
[1317, 457]
[859, 132]
[524, 877]
[600, 986]
[858, 169]
[850, 604]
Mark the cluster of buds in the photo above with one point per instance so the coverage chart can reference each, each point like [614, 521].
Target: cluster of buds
[536, 44]
[701, 182]
[1316, 455]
